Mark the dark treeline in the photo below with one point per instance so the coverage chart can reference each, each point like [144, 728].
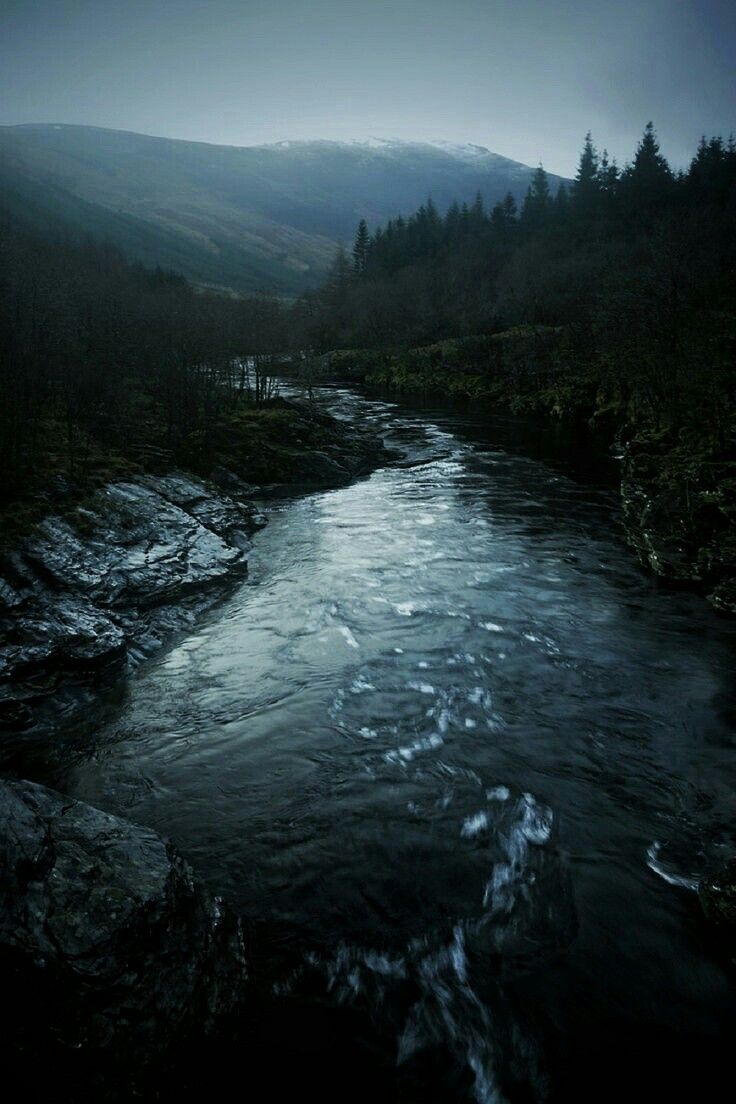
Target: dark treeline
[629, 275]
[635, 266]
[99, 355]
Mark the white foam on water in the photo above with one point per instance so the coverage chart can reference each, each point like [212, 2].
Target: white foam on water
[474, 825]
[360, 685]
[533, 826]
[684, 881]
[447, 1010]
[421, 687]
[406, 754]
[498, 793]
[349, 638]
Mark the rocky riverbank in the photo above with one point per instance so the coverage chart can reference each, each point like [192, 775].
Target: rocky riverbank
[104, 580]
[116, 960]
[100, 586]
[679, 503]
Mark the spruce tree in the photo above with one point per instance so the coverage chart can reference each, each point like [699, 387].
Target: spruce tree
[538, 200]
[646, 185]
[562, 204]
[608, 174]
[509, 206]
[361, 247]
[650, 167]
[587, 186]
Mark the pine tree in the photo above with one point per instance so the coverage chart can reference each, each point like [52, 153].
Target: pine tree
[562, 204]
[361, 247]
[338, 277]
[608, 173]
[452, 221]
[646, 185]
[650, 167]
[509, 206]
[503, 214]
[538, 200]
[587, 186]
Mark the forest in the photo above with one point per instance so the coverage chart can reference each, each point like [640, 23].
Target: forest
[625, 278]
[103, 361]
[615, 295]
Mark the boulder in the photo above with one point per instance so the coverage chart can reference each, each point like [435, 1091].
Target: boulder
[108, 582]
[113, 955]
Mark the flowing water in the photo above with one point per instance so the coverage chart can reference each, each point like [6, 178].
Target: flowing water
[460, 764]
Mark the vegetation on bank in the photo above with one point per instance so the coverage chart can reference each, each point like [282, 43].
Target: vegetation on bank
[632, 272]
[625, 284]
[107, 367]
[610, 304]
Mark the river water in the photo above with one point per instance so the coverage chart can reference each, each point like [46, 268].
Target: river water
[459, 763]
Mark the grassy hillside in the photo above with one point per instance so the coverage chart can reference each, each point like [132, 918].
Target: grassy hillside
[255, 218]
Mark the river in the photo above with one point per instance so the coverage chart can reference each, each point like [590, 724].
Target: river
[459, 763]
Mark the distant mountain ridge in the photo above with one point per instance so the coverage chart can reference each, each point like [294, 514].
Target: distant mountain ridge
[249, 218]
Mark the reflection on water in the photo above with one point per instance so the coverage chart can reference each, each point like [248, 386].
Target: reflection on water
[461, 764]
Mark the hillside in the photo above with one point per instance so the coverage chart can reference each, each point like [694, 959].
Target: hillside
[252, 218]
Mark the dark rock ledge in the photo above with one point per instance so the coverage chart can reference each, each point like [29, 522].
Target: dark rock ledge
[106, 583]
[679, 511]
[113, 956]
[117, 966]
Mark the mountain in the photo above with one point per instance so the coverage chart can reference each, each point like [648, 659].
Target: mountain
[249, 218]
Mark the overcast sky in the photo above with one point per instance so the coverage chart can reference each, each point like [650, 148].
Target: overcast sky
[526, 78]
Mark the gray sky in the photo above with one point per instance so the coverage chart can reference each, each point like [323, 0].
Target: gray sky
[526, 78]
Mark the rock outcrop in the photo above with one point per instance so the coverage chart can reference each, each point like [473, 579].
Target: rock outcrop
[680, 515]
[113, 956]
[105, 583]
[101, 584]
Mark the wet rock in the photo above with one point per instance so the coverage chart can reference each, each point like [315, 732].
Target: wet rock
[679, 511]
[112, 953]
[109, 581]
[718, 901]
[103, 584]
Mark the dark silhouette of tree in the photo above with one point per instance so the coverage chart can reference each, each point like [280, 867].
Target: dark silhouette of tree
[538, 201]
[361, 247]
[635, 268]
[587, 187]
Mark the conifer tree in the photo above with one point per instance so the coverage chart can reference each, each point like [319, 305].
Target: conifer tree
[562, 204]
[587, 186]
[509, 206]
[361, 247]
[538, 200]
[650, 167]
[608, 173]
